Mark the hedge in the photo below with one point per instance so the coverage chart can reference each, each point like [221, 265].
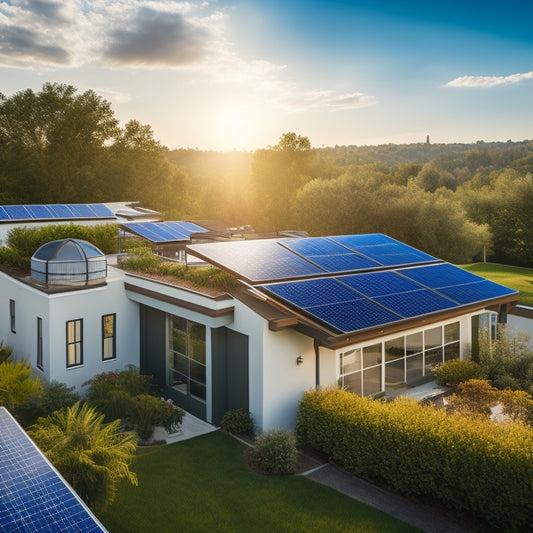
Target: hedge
[479, 466]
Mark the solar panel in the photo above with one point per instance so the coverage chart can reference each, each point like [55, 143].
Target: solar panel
[379, 283]
[39, 211]
[337, 264]
[34, 497]
[314, 246]
[307, 293]
[441, 275]
[257, 261]
[81, 210]
[61, 211]
[475, 292]
[3, 214]
[17, 212]
[101, 210]
[353, 316]
[175, 229]
[415, 303]
[191, 227]
[144, 231]
[356, 241]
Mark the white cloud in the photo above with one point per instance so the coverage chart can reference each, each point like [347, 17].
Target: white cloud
[489, 81]
[149, 34]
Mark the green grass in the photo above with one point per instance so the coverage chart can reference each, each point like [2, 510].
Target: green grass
[204, 484]
[518, 278]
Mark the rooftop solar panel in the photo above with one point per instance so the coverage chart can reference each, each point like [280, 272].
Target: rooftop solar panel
[258, 261]
[3, 214]
[475, 292]
[441, 275]
[61, 211]
[33, 496]
[81, 210]
[315, 246]
[307, 293]
[39, 211]
[356, 241]
[191, 227]
[176, 230]
[101, 210]
[144, 231]
[17, 212]
[343, 263]
[353, 316]
[415, 303]
[379, 283]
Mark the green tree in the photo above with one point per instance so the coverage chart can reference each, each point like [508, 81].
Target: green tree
[92, 456]
[17, 387]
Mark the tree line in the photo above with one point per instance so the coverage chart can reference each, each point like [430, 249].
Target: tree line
[458, 202]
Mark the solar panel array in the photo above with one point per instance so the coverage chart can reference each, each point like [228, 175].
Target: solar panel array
[259, 261]
[359, 301]
[18, 213]
[33, 496]
[164, 232]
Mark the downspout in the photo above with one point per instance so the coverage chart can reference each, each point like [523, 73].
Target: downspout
[316, 344]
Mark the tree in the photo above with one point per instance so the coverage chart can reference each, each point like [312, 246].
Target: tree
[17, 387]
[92, 456]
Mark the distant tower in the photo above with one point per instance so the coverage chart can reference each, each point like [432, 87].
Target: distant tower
[427, 140]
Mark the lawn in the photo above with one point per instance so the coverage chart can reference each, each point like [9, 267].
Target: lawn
[204, 484]
[518, 278]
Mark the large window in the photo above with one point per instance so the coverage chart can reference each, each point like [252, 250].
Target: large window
[39, 343]
[186, 366]
[74, 342]
[108, 337]
[398, 362]
[12, 315]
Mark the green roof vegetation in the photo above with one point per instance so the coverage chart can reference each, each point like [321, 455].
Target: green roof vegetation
[518, 278]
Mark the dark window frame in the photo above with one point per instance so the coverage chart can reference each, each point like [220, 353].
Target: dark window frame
[73, 342]
[12, 315]
[40, 343]
[112, 336]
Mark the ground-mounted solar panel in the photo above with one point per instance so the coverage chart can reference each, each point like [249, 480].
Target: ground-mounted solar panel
[17, 212]
[415, 303]
[354, 315]
[307, 293]
[39, 211]
[257, 261]
[379, 283]
[441, 275]
[33, 496]
[475, 292]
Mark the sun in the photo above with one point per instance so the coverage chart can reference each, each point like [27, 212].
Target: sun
[234, 127]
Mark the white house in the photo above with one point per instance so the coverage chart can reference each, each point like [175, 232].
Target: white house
[365, 312]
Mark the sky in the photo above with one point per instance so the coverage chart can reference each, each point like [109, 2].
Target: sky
[235, 74]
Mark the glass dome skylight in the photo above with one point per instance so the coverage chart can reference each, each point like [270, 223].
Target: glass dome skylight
[68, 261]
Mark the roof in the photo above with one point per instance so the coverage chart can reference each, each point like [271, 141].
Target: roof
[33, 495]
[352, 285]
[48, 212]
[67, 250]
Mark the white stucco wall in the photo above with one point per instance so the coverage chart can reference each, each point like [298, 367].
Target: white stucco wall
[55, 310]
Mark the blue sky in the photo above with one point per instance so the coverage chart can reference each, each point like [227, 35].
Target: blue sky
[236, 74]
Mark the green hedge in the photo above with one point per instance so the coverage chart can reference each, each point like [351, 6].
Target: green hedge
[478, 466]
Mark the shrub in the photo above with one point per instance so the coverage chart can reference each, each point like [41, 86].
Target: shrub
[5, 352]
[57, 396]
[474, 397]
[238, 422]
[172, 416]
[453, 372]
[275, 452]
[517, 405]
[146, 412]
[415, 449]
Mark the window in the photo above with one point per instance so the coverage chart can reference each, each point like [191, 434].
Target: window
[12, 315]
[39, 343]
[74, 342]
[361, 370]
[108, 337]
[187, 369]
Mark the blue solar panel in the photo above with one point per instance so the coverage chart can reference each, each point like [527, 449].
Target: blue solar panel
[144, 231]
[162, 232]
[379, 283]
[101, 210]
[61, 211]
[353, 316]
[315, 246]
[441, 275]
[17, 212]
[256, 260]
[176, 230]
[356, 241]
[307, 293]
[415, 303]
[81, 210]
[33, 496]
[475, 292]
[39, 211]
[3, 214]
[191, 227]
[342, 263]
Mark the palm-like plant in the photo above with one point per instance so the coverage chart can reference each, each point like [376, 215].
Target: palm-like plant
[91, 455]
[17, 387]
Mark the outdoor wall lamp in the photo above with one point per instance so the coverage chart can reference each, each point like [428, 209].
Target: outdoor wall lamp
[299, 360]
